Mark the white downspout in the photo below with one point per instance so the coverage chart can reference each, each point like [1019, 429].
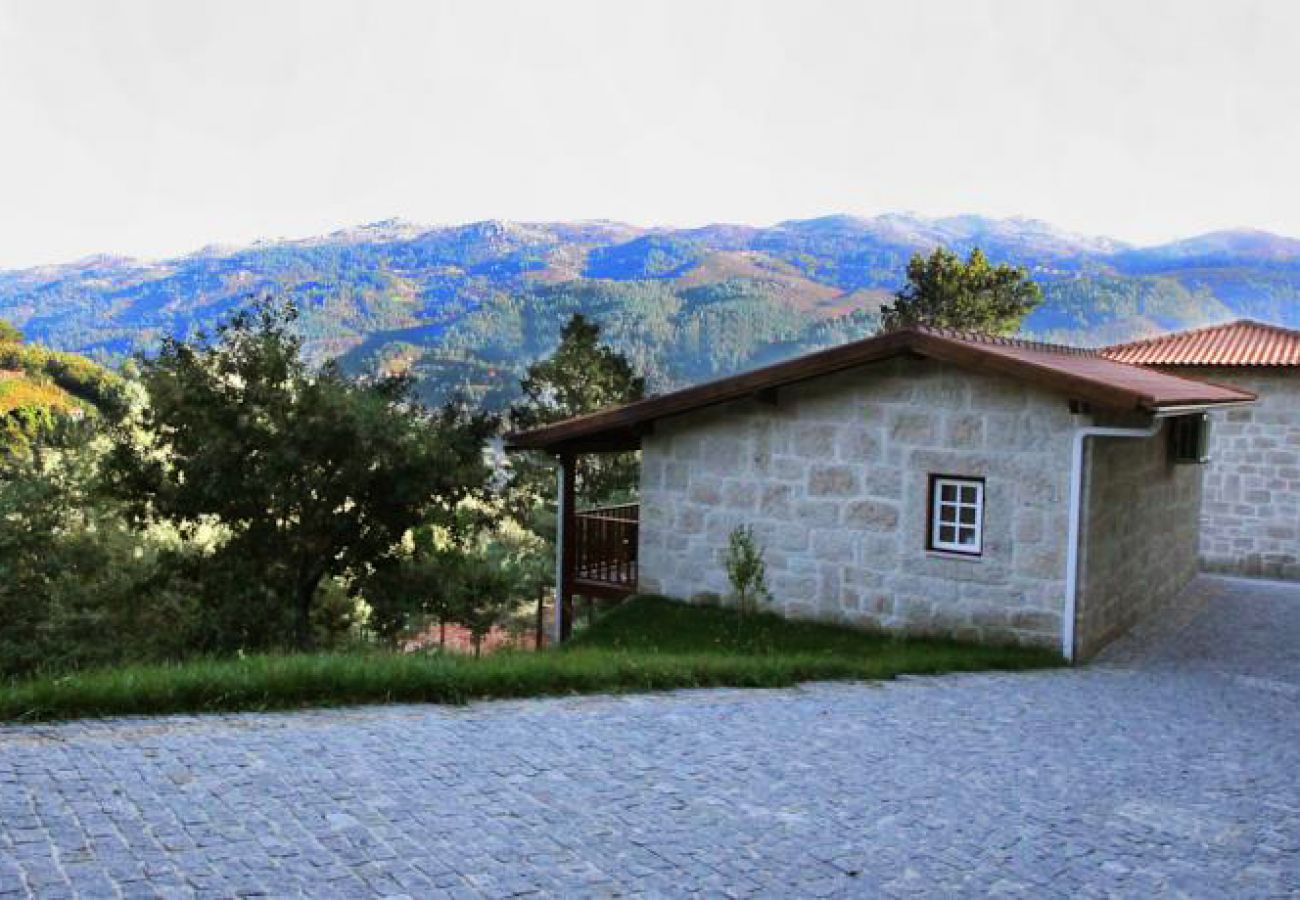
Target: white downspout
[557, 632]
[1081, 436]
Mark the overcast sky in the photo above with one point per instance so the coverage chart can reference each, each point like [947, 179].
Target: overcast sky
[152, 129]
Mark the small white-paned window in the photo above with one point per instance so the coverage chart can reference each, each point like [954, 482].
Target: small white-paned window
[957, 515]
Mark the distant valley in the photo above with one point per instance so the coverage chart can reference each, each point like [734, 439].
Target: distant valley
[466, 308]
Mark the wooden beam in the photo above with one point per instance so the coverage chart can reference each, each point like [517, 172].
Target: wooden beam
[603, 590]
[567, 535]
[600, 445]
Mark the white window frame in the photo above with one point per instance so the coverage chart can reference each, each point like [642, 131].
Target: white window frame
[947, 514]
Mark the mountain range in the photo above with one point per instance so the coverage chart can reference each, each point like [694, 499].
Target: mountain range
[465, 308]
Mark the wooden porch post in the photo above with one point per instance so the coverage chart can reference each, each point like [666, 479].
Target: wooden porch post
[566, 550]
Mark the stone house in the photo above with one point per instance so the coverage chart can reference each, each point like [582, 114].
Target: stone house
[923, 481]
[1250, 514]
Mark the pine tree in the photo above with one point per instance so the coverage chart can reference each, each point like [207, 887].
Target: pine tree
[582, 376]
[944, 292]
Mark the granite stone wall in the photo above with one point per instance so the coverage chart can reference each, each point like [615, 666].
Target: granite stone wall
[1140, 535]
[1250, 520]
[834, 478]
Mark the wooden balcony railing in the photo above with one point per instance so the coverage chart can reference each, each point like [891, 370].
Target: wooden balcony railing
[605, 545]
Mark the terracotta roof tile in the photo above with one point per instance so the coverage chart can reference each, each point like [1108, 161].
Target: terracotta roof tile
[1240, 343]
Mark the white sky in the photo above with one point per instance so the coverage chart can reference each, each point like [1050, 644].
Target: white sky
[154, 128]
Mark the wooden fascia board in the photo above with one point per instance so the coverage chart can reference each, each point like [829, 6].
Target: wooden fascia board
[975, 359]
[737, 387]
[594, 431]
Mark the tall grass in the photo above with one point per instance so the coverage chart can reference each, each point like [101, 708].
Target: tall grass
[647, 645]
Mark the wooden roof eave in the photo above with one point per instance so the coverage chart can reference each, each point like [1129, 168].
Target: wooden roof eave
[622, 428]
[1113, 398]
[1072, 386]
[572, 433]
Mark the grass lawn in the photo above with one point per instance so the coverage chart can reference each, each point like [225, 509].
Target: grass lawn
[647, 644]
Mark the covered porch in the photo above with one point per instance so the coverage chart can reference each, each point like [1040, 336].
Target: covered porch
[597, 547]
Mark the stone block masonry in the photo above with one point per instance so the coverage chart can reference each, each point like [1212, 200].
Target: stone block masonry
[1250, 520]
[835, 477]
[1140, 536]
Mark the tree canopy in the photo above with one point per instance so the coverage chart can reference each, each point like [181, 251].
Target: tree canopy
[311, 474]
[974, 295]
[581, 376]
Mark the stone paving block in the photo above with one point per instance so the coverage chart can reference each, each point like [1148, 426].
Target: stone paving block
[1164, 772]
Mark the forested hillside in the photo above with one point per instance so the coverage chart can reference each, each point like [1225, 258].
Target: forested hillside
[42, 390]
[468, 307]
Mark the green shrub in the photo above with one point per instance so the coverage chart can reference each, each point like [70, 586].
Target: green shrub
[78, 587]
[746, 570]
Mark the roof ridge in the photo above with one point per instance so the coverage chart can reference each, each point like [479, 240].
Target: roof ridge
[1006, 341]
[1268, 326]
[1191, 332]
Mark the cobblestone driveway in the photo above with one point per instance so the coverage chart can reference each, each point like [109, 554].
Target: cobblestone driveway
[1172, 771]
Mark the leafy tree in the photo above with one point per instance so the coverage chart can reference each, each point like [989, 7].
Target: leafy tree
[50, 400]
[76, 375]
[78, 586]
[536, 575]
[312, 475]
[746, 569]
[9, 333]
[529, 555]
[414, 588]
[26, 430]
[487, 586]
[474, 575]
[339, 618]
[581, 376]
[945, 292]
